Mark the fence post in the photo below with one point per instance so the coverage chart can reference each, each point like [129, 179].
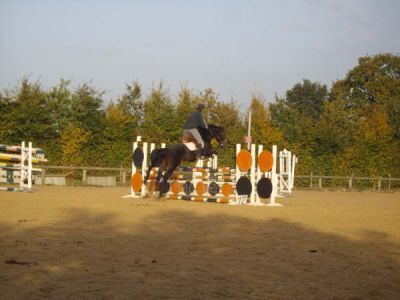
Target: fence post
[84, 176]
[351, 181]
[379, 184]
[43, 175]
[123, 177]
[311, 179]
[389, 182]
[320, 183]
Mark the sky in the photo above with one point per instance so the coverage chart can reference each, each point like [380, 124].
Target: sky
[237, 48]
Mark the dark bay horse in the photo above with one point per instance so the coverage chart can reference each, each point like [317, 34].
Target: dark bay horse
[168, 159]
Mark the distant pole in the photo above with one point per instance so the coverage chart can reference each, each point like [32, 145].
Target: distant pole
[249, 132]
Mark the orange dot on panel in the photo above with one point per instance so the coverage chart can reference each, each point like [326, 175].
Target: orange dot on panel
[176, 187]
[265, 161]
[201, 188]
[244, 160]
[227, 189]
[137, 181]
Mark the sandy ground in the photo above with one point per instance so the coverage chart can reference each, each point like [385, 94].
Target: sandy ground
[89, 243]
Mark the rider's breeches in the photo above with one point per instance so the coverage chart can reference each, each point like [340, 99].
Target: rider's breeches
[196, 135]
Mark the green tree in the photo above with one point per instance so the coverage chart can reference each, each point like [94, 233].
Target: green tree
[28, 116]
[262, 130]
[87, 113]
[158, 119]
[73, 142]
[131, 104]
[375, 80]
[371, 93]
[117, 137]
[307, 98]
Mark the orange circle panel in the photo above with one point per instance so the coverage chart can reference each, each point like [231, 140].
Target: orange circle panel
[265, 161]
[201, 188]
[176, 187]
[137, 181]
[227, 189]
[244, 160]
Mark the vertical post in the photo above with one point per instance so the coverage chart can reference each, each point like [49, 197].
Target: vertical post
[351, 182]
[30, 166]
[22, 166]
[144, 169]
[43, 175]
[289, 171]
[123, 177]
[249, 131]
[84, 176]
[379, 184]
[389, 182]
[238, 148]
[294, 160]
[281, 170]
[320, 182]
[259, 173]
[311, 180]
[253, 175]
[274, 179]
[134, 146]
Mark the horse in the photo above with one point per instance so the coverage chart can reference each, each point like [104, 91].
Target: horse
[168, 159]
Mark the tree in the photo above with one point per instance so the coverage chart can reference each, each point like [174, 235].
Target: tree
[131, 104]
[116, 138]
[375, 80]
[371, 93]
[87, 113]
[28, 115]
[73, 142]
[307, 98]
[158, 120]
[262, 130]
[86, 108]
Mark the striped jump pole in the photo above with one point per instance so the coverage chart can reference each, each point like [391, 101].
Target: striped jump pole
[23, 169]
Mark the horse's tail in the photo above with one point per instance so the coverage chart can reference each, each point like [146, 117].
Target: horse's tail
[156, 158]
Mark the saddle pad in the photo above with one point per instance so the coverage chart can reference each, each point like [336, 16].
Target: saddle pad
[191, 146]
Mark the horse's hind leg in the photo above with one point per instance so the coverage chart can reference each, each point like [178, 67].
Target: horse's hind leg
[148, 173]
[166, 176]
[158, 178]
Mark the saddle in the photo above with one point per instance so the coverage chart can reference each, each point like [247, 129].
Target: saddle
[190, 142]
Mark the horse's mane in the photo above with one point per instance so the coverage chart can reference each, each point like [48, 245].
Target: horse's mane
[205, 133]
[212, 126]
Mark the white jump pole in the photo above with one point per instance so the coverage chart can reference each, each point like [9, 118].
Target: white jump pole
[134, 146]
[274, 179]
[144, 169]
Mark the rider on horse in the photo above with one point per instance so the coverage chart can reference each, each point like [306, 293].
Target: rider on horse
[196, 120]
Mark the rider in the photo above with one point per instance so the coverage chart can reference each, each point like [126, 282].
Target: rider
[195, 120]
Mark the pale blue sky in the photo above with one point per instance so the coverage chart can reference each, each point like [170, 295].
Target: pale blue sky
[235, 47]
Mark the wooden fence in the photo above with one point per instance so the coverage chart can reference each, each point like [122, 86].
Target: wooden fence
[102, 177]
[349, 181]
[311, 181]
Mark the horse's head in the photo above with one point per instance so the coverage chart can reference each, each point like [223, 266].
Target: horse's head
[217, 132]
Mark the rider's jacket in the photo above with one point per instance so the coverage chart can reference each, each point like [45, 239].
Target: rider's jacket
[195, 120]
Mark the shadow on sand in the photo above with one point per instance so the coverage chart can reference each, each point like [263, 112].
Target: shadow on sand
[179, 255]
